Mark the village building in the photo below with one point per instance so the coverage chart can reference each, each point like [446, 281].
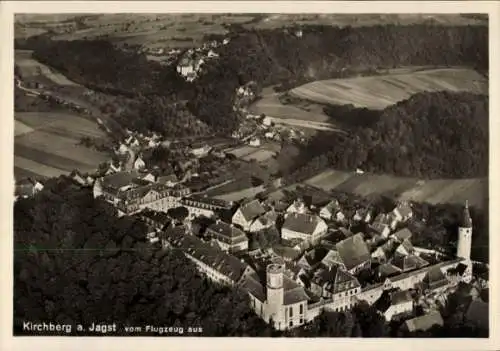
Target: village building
[247, 213]
[27, 187]
[209, 259]
[403, 211]
[423, 323]
[228, 237]
[363, 215]
[298, 206]
[198, 205]
[254, 142]
[305, 227]
[354, 253]
[78, 178]
[336, 284]
[131, 194]
[394, 303]
[402, 235]
[265, 221]
[200, 149]
[332, 211]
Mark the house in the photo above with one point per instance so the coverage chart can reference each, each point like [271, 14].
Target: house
[435, 281]
[371, 293]
[185, 67]
[298, 206]
[336, 284]
[407, 263]
[332, 211]
[228, 237]
[403, 211]
[394, 303]
[198, 205]
[247, 213]
[123, 149]
[277, 298]
[267, 121]
[423, 323]
[139, 163]
[332, 258]
[267, 220]
[384, 252]
[303, 226]
[131, 194]
[354, 253]
[254, 142]
[402, 235]
[381, 228]
[78, 178]
[405, 248]
[27, 187]
[363, 215]
[210, 260]
[200, 149]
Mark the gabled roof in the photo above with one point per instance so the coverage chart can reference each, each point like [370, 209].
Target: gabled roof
[424, 322]
[210, 255]
[332, 206]
[402, 234]
[353, 251]
[404, 209]
[404, 263]
[251, 210]
[387, 270]
[435, 278]
[228, 231]
[268, 218]
[119, 179]
[332, 257]
[388, 299]
[301, 223]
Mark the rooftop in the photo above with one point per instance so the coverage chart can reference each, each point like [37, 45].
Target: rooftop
[424, 322]
[301, 223]
[210, 255]
[251, 210]
[353, 251]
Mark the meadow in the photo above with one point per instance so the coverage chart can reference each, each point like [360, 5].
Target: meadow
[47, 144]
[29, 68]
[435, 191]
[381, 91]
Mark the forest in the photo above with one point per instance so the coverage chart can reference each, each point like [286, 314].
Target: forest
[268, 57]
[430, 135]
[75, 262]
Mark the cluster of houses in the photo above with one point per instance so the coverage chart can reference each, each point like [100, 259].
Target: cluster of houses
[190, 64]
[316, 273]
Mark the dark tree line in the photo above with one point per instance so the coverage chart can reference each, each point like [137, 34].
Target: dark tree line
[76, 262]
[430, 135]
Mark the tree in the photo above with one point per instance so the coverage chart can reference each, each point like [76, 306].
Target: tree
[178, 214]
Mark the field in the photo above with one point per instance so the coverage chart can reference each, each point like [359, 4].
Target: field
[378, 92]
[431, 191]
[46, 144]
[342, 20]
[30, 68]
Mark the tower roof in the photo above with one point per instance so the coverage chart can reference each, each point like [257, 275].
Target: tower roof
[466, 221]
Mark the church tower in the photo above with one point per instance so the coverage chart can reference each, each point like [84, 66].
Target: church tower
[465, 234]
[275, 294]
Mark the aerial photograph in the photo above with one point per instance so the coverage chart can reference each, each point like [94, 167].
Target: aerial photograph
[251, 175]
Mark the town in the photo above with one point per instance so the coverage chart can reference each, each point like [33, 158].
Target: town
[314, 261]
